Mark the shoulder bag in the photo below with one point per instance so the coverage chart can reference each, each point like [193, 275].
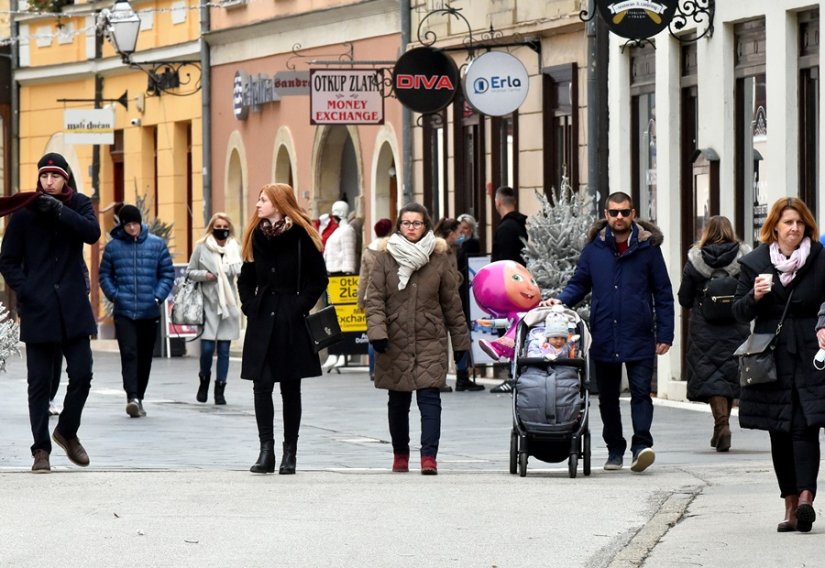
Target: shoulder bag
[187, 303]
[322, 325]
[757, 365]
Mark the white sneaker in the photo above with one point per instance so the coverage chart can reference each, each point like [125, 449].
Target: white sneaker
[342, 361]
[331, 360]
[643, 460]
[54, 410]
[133, 408]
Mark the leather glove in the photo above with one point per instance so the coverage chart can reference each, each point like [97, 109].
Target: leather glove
[458, 356]
[48, 204]
[380, 345]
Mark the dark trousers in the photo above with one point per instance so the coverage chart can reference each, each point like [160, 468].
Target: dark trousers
[609, 379]
[208, 351]
[265, 410]
[795, 454]
[40, 364]
[136, 341]
[398, 412]
[56, 370]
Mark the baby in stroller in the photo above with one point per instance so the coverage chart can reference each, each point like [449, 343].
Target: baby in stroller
[556, 339]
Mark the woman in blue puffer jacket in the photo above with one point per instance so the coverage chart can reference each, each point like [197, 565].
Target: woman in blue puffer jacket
[136, 275]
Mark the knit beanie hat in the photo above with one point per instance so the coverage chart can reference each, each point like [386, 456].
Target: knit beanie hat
[383, 227]
[129, 214]
[555, 326]
[54, 163]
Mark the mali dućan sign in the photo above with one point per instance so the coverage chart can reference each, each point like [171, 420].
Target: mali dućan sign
[346, 96]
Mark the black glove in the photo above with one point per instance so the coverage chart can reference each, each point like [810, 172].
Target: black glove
[458, 356]
[380, 345]
[48, 204]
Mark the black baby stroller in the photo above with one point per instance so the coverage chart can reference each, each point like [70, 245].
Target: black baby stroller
[551, 401]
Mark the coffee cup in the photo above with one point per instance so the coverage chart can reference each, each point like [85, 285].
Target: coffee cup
[767, 278]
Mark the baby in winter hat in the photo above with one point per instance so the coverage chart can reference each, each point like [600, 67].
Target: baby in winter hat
[551, 341]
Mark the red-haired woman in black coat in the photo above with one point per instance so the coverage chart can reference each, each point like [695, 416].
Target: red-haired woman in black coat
[282, 278]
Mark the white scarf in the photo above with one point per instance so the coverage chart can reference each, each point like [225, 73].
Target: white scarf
[410, 256]
[788, 267]
[231, 252]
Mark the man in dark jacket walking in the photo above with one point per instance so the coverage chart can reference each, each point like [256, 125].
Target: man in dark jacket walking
[136, 274]
[631, 320]
[511, 232]
[42, 261]
[508, 243]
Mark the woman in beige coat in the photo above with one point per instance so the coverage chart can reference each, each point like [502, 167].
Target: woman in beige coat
[412, 293]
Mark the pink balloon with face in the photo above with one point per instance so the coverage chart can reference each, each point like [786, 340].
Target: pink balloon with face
[505, 287]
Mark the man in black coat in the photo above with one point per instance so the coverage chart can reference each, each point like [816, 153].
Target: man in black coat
[508, 243]
[42, 261]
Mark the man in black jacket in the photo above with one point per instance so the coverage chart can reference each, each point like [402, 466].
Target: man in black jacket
[42, 261]
[511, 232]
[508, 243]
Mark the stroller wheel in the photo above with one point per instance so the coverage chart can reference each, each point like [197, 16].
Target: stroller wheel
[586, 453]
[573, 465]
[522, 464]
[513, 451]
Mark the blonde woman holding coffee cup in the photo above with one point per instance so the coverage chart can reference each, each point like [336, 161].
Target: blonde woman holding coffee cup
[792, 409]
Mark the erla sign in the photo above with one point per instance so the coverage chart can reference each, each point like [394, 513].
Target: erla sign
[496, 83]
[425, 79]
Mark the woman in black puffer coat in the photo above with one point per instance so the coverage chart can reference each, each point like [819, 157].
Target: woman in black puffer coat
[792, 409]
[711, 371]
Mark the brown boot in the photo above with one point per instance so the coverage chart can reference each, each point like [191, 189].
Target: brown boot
[789, 524]
[721, 427]
[805, 514]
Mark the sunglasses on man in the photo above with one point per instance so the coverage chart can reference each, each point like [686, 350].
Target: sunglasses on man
[617, 212]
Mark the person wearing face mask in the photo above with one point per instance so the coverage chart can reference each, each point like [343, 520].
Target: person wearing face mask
[468, 245]
[136, 275]
[216, 263]
[282, 277]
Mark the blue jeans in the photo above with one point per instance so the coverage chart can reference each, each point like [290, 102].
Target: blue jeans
[463, 363]
[371, 356]
[429, 405]
[207, 351]
[609, 379]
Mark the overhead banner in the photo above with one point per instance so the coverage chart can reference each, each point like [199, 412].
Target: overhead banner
[496, 83]
[425, 79]
[346, 96]
[637, 19]
[89, 126]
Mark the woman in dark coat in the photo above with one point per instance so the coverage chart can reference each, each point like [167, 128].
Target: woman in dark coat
[792, 409]
[282, 277]
[711, 370]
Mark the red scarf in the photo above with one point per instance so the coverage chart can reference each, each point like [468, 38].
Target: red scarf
[21, 199]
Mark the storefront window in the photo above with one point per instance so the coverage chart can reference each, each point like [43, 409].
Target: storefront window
[809, 109]
[644, 131]
[560, 110]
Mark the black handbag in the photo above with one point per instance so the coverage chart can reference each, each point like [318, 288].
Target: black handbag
[757, 365]
[322, 326]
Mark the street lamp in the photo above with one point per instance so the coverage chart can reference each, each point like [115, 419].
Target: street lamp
[121, 26]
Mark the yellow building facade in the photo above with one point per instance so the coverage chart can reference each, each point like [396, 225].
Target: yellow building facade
[65, 62]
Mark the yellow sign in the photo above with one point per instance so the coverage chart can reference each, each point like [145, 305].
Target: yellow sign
[350, 318]
[342, 290]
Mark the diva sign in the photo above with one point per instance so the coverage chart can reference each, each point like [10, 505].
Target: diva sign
[346, 96]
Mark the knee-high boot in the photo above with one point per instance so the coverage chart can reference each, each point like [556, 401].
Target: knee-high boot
[266, 459]
[721, 426]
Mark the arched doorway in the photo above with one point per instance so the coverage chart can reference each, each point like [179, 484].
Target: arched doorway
[385, 192]
[234, 201]
[337, 165]
[283, 167]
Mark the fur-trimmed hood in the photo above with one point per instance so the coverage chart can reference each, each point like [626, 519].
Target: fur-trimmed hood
[724, 256]
[441, 246]
[647, 231]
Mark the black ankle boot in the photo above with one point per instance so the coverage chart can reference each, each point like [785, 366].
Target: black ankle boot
[203, 388]
[219, 398]
[463, 382]
[288, 460]
[266, 459]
